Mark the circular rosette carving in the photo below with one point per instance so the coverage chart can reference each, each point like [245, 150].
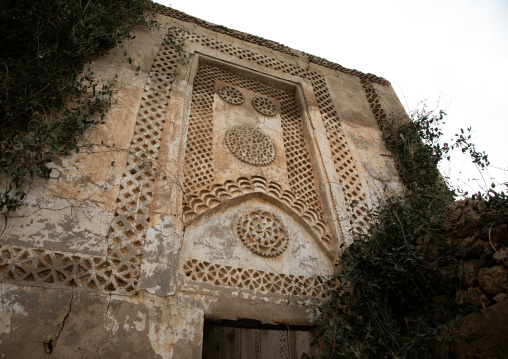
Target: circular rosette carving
[231, 95]
[250, 145]
[263, 233]
[264, 106]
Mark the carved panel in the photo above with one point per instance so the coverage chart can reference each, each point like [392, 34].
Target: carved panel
[199, 169]
[250, 279]
[250, 145]
[263, 233]
[356, 205]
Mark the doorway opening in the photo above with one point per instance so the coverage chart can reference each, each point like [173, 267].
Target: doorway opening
[247, 340]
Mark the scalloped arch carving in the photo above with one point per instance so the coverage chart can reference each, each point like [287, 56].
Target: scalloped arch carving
[214, 195]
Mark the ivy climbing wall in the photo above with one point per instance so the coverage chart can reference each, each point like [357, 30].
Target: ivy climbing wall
[230, 167]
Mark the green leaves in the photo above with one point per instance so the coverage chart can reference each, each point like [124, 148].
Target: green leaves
[386, 306]
[44, 106]
[463, 141]
[177, 42]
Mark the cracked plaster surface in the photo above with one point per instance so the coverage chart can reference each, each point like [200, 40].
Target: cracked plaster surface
[32, 317]
[71, 324]
[156, 323]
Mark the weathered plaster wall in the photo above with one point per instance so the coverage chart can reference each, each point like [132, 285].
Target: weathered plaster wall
[137, 239]
[72, 211]
[213, 238]
[42, 323]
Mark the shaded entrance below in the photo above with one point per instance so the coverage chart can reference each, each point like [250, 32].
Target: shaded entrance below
[237, 340]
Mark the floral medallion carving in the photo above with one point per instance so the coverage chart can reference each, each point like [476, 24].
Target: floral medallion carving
[231, 95]
[263, 233]
[264, 106]
[250, 145]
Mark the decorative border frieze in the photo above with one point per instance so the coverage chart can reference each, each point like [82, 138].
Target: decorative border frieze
[57, 269]
[178, 15]
[251, 279]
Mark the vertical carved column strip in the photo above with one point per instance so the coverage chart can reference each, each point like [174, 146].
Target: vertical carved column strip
[356, 205]
[257, 344]
[198, 167]
[284, 347]
[375, 104]
[127, 231]
[301, 178]
[238, 343]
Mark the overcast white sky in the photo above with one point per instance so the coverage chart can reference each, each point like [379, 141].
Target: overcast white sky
[451, 51]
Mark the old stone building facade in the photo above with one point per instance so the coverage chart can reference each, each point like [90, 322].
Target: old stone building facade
[225, 178]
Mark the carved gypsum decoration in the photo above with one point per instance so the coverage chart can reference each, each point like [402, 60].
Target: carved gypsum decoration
[198, 168]
[231, 95]
[251, 279]
[264, 106]
[284, 350]
[257, 344]
[175, 14]
[56, 269]
[118, 271]
[343, 161]
[127, 230]
[356, 205]
[250, 145]
[374, 103]
[215, 194]
[263, 233]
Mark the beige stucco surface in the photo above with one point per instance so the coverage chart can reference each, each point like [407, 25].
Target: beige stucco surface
[107, 258]
[72, 324]
[214, 238]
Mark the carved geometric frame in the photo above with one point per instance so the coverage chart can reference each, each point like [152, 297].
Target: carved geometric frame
[199, 200]
[118, 271]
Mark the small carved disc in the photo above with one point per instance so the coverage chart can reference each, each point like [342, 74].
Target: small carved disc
[264, 106]
[263, 233]
[231, 95]
[250, 145]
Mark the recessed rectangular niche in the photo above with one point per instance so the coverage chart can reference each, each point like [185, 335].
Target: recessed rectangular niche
[242, 342]
[249, 130]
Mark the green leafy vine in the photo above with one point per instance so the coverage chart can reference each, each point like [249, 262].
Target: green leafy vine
[47, 100]
[398, 288]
